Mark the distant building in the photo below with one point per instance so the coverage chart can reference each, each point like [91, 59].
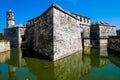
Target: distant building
[57, 33]
[14, 33]
[100, 31]
[10, 19]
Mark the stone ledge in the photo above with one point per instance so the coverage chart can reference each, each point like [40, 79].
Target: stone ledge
[5, 46]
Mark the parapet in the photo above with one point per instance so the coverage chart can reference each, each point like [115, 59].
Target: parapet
[103, 24]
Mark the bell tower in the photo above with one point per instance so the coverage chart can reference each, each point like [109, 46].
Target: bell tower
[10, 18]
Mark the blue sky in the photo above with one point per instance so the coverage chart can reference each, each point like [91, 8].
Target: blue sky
[97, 10]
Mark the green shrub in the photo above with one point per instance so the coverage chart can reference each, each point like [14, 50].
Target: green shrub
[1, 36]
[118, 32]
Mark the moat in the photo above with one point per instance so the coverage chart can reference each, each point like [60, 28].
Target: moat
[89, 64]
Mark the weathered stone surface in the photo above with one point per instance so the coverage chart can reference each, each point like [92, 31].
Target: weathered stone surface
[10, 18]
[14, 35]
[86, 31]
[58, 33]
[86, 35]
[106, 31]
[43, 35]
[84, 23]
[67, 34]
[11, 35]
[100, 32]
[114, 43]
[21, 37]
[4, 46]
[29, 35]
[55, 34]
[40, 36]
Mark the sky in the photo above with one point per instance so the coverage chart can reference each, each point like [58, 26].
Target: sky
[97, 10]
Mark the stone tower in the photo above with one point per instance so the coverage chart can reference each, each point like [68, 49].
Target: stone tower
[14, 33]
[10, 18]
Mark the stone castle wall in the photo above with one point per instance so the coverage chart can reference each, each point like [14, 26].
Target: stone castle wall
[4, 46]
[39, 37]
[14, 35]
[56, 34]
[114, 43]
[29, 35]
[67, 34]
[21, 38]
[43, 35]
[86, 36]
[100, 33]
[84, 23]
[106, 31]
[11, 34]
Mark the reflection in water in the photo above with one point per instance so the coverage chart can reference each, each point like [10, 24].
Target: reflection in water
[16, 58]
[103, 52]
[4, 56]
[79, 66]
[113, 58]
[99, 57]
[3, 67]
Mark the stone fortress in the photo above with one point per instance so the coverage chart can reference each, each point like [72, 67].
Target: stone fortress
[57, 33]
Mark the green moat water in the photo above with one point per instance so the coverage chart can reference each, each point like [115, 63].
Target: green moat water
[89, 64]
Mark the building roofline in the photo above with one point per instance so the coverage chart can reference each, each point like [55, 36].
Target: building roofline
[103, 24]
[80, 15]
[57, 7]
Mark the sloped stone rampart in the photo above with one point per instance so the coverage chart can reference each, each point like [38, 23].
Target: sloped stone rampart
[4, 46]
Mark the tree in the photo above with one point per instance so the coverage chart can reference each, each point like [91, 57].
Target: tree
[118, 32]
[1, 36]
